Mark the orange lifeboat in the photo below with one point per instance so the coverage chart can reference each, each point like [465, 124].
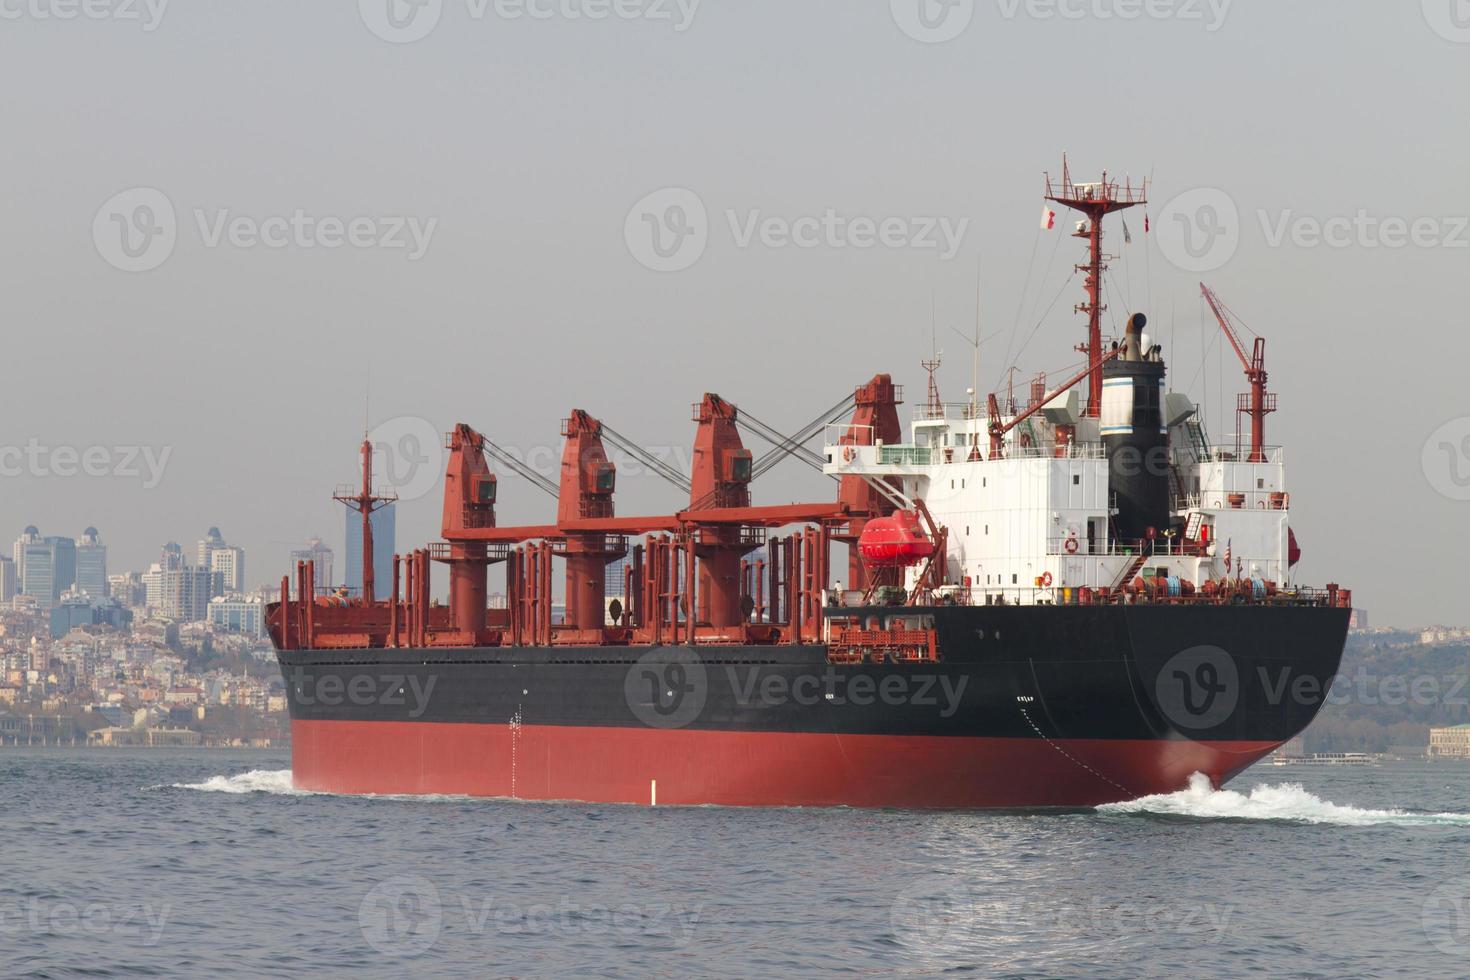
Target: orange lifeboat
[894, 542]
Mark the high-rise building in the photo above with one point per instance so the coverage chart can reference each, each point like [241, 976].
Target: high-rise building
[9, 583]
[211, 540]
[175, 589]
[227, 570]
[91, 564]
[64, 554]
[44, 567]
[226, 563]
[384, 541]
[321, 556]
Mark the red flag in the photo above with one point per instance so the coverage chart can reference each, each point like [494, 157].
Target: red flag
[1048, 218]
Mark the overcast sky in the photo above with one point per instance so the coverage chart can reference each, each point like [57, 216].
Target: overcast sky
[182, 271]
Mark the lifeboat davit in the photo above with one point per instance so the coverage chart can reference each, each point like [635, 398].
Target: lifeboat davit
[894, 542]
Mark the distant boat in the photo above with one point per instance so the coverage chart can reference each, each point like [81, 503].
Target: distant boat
[1325, 759]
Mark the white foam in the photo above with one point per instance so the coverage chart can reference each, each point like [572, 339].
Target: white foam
[1284, 801]
[277, 781]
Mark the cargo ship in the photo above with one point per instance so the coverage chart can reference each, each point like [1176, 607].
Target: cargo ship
[1062, 601]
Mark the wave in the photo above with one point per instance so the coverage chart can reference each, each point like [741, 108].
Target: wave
[276, 781]
[1283, 801]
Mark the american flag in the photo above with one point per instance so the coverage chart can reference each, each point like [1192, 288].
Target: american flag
[1228, 543]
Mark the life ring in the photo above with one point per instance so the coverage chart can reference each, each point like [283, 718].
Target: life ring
[1071, 546]
[1046, 580]
[849, 454]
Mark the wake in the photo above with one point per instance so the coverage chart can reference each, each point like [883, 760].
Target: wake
[274, 781]
[1283, 801]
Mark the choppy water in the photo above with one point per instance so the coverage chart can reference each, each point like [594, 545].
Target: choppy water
[182, 863]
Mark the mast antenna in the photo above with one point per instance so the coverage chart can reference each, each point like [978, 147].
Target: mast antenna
[1095, 201]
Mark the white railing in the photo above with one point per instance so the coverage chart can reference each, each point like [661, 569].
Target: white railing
[1239, 453]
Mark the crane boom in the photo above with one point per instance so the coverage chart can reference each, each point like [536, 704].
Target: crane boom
[1259, 403]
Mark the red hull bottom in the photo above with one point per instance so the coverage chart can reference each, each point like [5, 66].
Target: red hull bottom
[628, 765]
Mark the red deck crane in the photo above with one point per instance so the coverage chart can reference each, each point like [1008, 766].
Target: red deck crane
[1259, 403]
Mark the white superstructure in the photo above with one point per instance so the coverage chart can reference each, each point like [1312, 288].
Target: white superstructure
[1035, 517]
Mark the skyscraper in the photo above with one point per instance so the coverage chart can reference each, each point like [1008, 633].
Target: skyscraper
[91, 564]
[175, 589]
[321, 556]
[9, 583]
[44, 567]
[211, 540]
[384, 538]
[227, 570]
